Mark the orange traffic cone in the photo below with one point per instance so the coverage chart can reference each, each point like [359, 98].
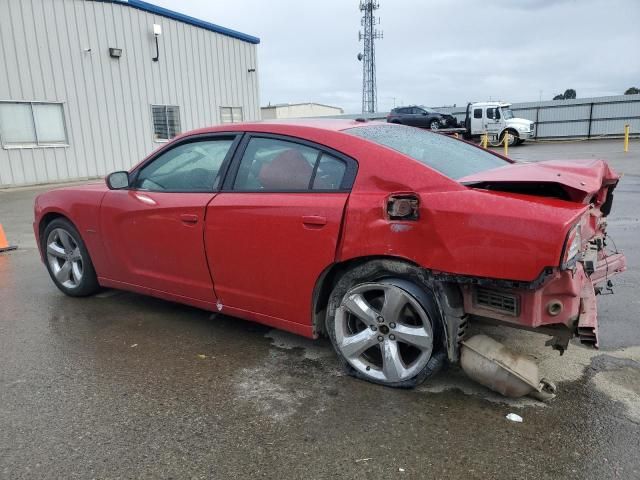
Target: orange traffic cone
[4, 244]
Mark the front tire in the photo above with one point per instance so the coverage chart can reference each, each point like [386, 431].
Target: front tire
[67, 259]
[512, 137]
[434, 124]
[386, 330]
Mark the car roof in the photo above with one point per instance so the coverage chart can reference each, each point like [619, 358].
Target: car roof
[285, 126]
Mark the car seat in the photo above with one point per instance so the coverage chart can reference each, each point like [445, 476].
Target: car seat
[289, 170]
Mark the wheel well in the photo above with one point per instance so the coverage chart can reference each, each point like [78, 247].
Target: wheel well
[47, 219]
[512, 131]
[330, 277]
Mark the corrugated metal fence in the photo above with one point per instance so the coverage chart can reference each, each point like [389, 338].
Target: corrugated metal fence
[582, 117]
[579, 118]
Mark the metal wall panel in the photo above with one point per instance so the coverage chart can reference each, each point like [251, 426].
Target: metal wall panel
[107, 101]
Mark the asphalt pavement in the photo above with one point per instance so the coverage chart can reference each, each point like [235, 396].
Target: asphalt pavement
[125, 386]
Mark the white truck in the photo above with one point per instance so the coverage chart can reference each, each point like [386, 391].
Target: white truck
[497, 120]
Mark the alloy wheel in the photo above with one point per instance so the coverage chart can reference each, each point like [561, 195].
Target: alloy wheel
[383, 332]
[64, 258]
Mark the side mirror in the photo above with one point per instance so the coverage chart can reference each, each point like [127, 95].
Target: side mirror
[424, 113]
[117, 180]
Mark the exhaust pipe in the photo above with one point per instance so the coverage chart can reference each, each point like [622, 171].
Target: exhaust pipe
[493, 365]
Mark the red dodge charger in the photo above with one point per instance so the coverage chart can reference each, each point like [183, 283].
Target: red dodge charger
[388, 239]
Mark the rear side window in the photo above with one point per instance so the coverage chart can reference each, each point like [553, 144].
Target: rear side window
[273, 165]
[329, 173]
[451, 157]
[477, 113]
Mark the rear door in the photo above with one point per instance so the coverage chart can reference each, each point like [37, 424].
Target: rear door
[418, 117]
[153, 231]
[276, 225]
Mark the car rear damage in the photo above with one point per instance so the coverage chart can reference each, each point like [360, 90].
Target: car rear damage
[562, 301]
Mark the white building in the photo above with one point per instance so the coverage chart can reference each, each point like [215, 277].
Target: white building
[92, 86]
[299, 110]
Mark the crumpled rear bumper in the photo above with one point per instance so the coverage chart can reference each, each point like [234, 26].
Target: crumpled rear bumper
[588, 319]
[566, 299]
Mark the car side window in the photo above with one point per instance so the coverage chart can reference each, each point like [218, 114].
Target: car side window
[491, 113]
[477, 113]
[329, 173]
[189, 167]
[274, 165]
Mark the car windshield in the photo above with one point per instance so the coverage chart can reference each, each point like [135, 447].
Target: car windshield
[506, 113]
[449, 156]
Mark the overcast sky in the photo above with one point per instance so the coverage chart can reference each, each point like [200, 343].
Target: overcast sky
[436, 52]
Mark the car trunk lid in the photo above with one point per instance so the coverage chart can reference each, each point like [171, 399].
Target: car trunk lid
[573, 180]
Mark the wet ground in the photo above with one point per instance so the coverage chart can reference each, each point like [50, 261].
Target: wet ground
[125, 386]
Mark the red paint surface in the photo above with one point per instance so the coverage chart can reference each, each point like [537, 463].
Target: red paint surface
[154, 240]
[265, 253]
[261, 254]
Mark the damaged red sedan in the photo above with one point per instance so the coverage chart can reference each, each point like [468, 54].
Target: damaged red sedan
[388, 239]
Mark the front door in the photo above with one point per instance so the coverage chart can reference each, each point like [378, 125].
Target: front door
[153, 231]
[477, 121]
[493, 125]
[276, 226]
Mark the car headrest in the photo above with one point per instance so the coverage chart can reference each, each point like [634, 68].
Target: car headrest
[287, 171]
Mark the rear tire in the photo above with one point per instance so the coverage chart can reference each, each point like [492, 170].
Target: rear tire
[396, 338]
[67, 259]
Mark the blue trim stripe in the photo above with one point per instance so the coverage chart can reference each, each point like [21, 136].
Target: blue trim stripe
[165, 12]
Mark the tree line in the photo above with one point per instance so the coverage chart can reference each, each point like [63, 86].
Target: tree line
[570, 93]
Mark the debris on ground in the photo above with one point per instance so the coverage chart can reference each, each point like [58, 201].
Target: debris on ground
[514, 418]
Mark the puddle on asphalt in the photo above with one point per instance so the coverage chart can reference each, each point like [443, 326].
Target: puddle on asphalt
[618, 378]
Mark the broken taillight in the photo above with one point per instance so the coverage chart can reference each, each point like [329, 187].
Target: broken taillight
[572, 247]
[403, 207]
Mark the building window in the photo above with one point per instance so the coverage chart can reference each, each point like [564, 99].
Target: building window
[32, 124]
[231, 114]
[166, 122]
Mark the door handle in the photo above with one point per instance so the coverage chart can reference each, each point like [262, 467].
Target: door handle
[315, 220]
[188, 218]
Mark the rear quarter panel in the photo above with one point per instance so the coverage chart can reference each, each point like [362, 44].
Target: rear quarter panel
[461, 230]
[471, 233]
